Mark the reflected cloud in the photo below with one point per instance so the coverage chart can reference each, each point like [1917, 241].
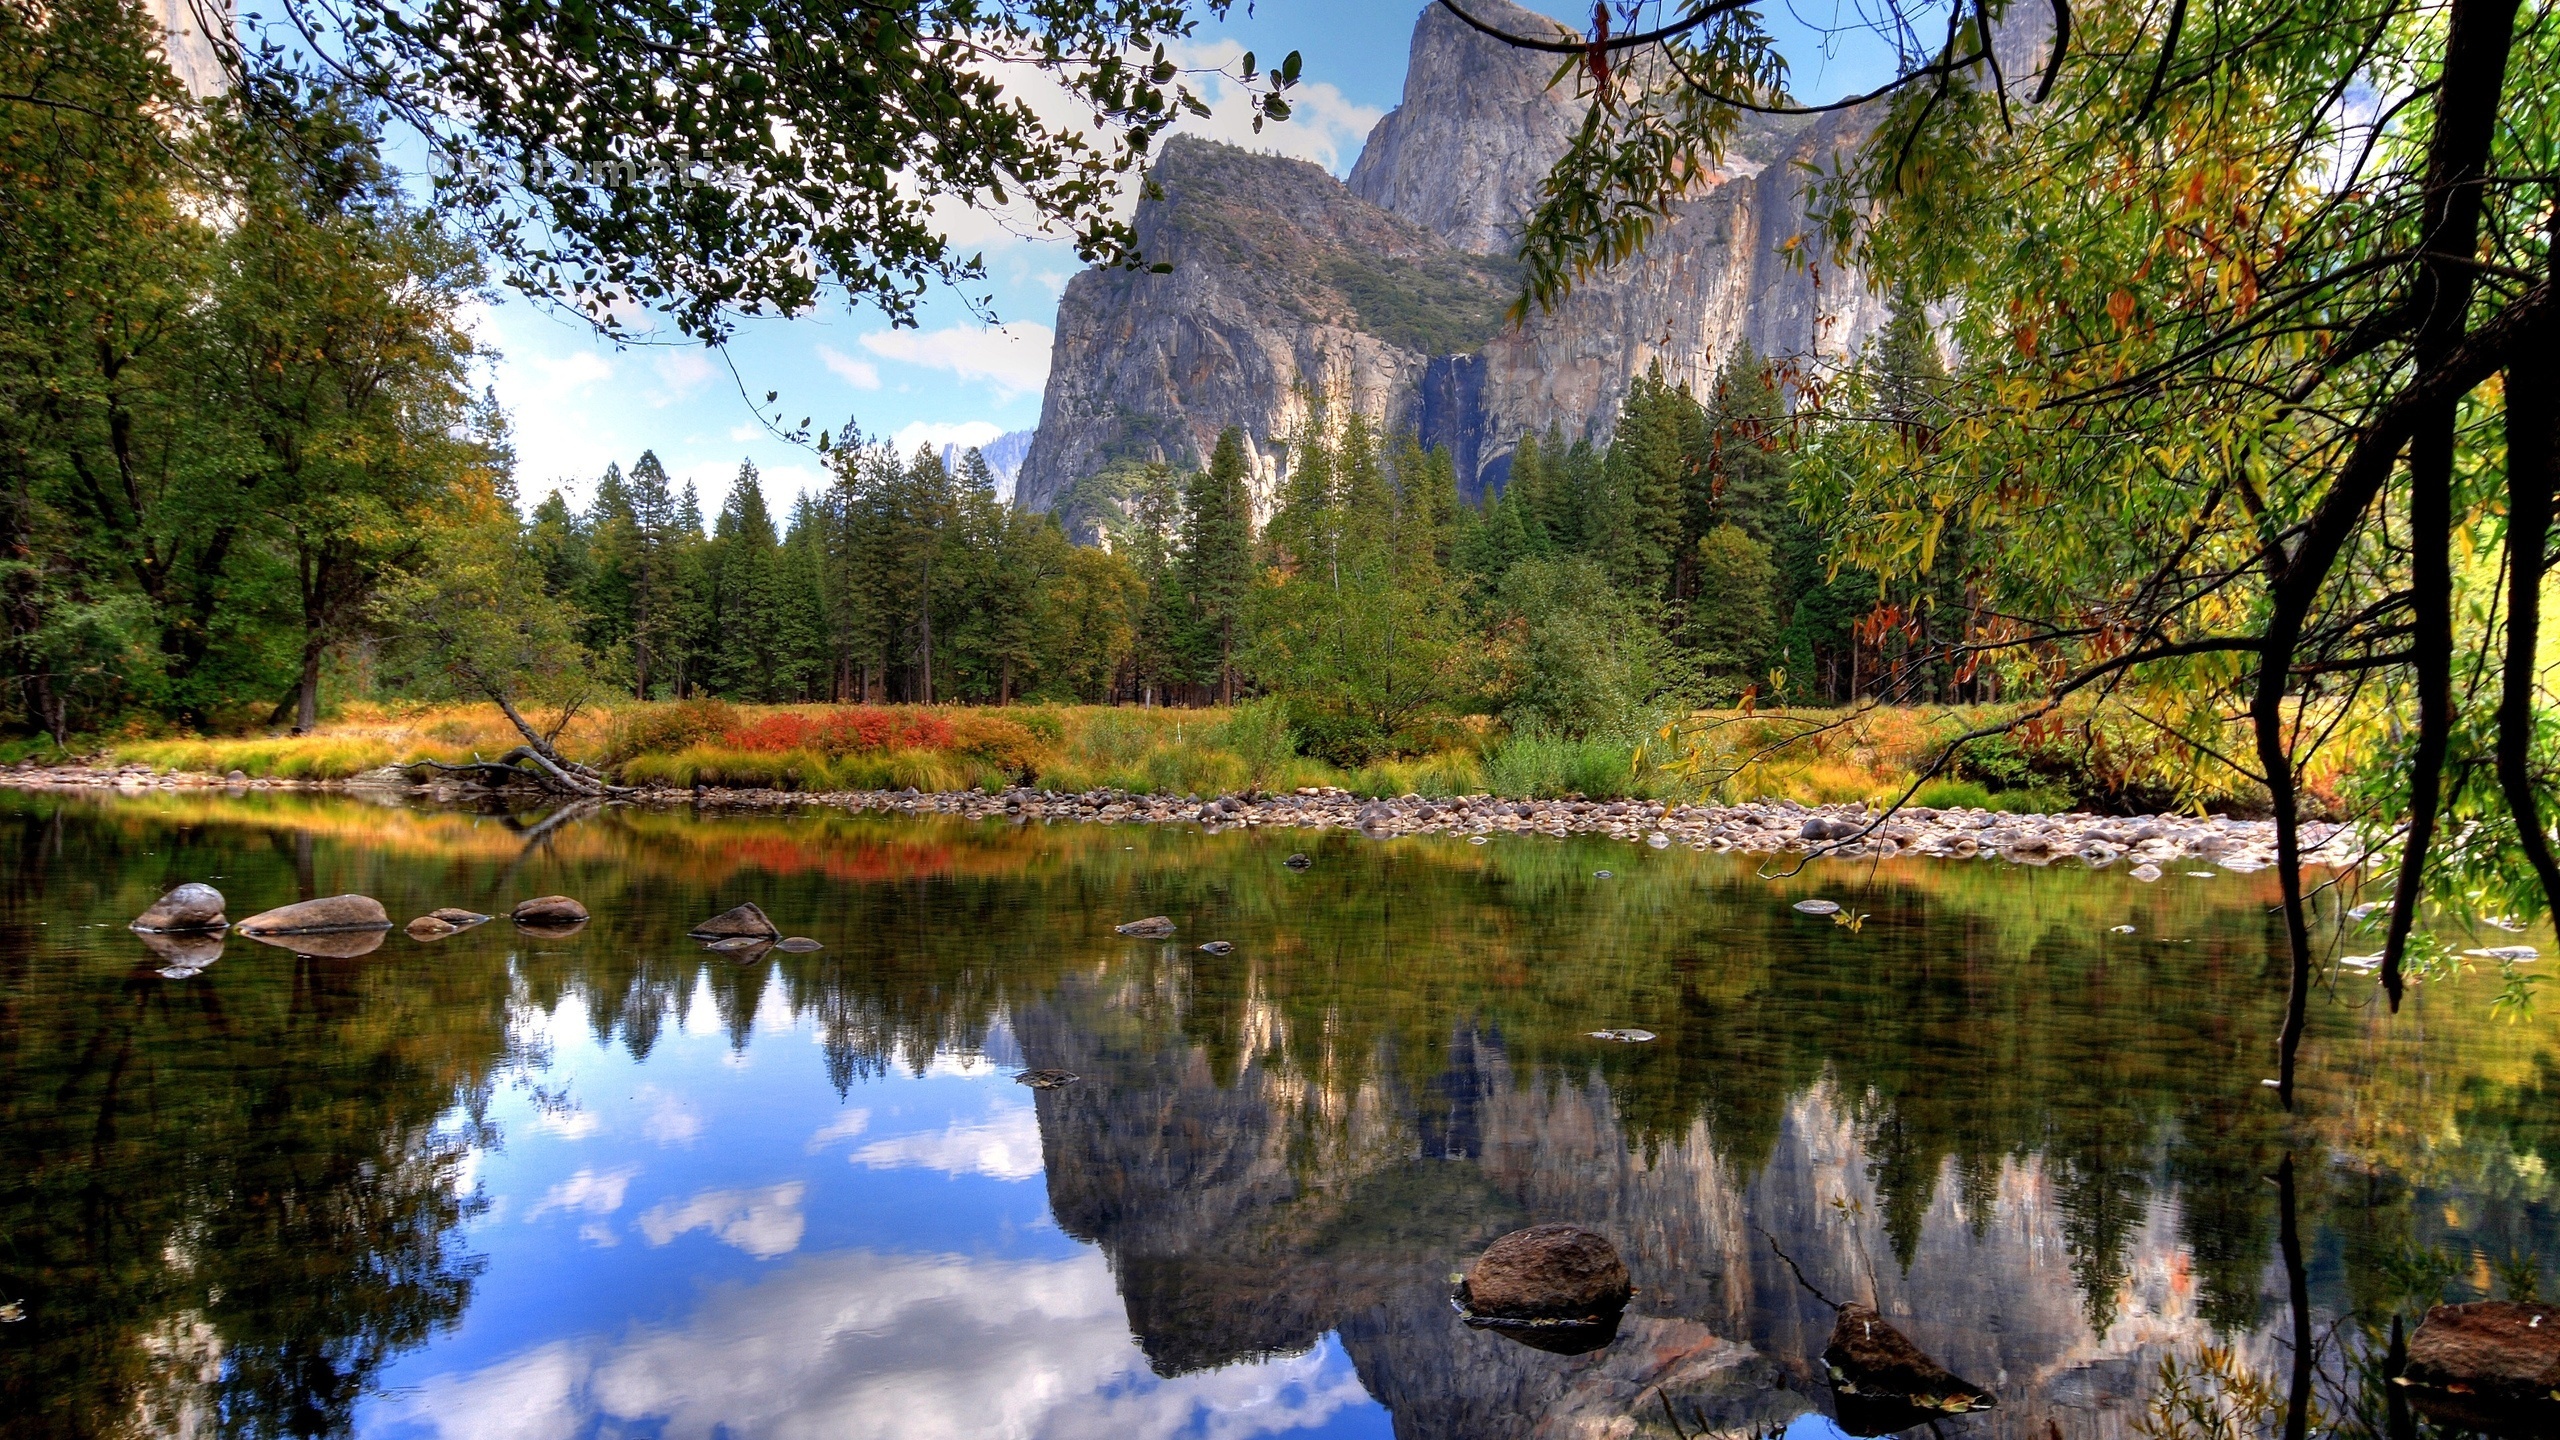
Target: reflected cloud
[588, 1192]
[1004, 1146]
[671, 1121]
[568, 1125]
[843, 1127]
[859, 1345]
[764, 1223]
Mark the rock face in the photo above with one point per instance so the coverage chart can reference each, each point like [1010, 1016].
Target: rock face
[1285, 286]
[1476, 133]
[190, 907]
[336, 913]
[1387, 295]
[1549, 1272]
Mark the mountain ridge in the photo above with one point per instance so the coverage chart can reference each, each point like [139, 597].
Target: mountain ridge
[1290, 289]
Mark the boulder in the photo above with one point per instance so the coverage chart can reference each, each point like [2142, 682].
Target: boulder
[1218, 947]
[1873, 1361]
[799, 945]
[549, 910]
[1548, 1272]
[745, 920]
[1297, 862]
[457, 917]
[1154, 927]
[2501, 1352]
[325, 944]
[319, 917]
[189, 908]
[429, 927]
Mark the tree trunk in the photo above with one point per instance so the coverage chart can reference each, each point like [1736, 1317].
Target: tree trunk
[306, 705]
[2533, 457]
[2477, 40]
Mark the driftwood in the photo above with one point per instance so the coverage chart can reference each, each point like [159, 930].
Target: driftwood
[559, 776]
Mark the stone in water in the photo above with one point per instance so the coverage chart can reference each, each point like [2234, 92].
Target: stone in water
[1817, 907]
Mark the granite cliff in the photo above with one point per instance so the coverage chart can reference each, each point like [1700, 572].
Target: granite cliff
[1387, 294]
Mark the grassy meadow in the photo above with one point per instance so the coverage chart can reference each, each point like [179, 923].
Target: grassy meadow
[1811, 756]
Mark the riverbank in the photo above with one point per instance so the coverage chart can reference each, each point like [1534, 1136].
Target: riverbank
[1842, 831]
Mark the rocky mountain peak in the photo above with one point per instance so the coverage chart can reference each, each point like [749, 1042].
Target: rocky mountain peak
[1289, 289]
[1478, 128]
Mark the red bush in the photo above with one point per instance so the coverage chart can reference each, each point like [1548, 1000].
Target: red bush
[848, 730]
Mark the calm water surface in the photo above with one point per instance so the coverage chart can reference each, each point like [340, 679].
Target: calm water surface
[615, 1185]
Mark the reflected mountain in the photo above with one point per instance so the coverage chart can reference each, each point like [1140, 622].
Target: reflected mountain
[235, 1195]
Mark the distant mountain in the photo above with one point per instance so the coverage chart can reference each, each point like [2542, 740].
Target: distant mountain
[1388, 293]
[1004, 456]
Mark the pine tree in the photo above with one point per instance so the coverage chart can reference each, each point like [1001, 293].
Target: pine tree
[806, 653]
[612, 582]
[1216, 570]
[1747, 467]
[1152, 537]
[745, 657]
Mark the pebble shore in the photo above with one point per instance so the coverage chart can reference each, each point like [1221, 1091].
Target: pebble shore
[1852, 831]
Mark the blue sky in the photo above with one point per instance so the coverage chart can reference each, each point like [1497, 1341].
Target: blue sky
[578, 402]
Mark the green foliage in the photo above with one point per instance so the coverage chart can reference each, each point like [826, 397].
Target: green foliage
[1356, 628]
[616, 154]
[1438, 304]
[231, 380]
[1580, 659]
[1952, 795]
[1258, 732]
[1532, 765]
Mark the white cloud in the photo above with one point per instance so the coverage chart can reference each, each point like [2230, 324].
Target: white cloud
[1009, 359]
[964, 435]
[859, 373]
[864, 1347]
[1004, 1146]
[764, 1223]
[588, 1192]
[1323, 126]
[843, 1127]
[680, 373]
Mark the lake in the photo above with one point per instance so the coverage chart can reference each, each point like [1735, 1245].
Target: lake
[614, 1184]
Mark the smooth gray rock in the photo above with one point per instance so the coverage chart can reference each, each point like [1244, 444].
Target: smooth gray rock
[319, 917]
[190, 907]
[549, 910]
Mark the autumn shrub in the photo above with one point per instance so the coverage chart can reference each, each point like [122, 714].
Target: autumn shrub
[666, 728]
[1004, 743]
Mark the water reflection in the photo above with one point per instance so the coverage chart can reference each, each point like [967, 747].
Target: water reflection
[605, 1182]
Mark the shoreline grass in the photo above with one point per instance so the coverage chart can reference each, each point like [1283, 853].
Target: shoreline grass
[1809, 756]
